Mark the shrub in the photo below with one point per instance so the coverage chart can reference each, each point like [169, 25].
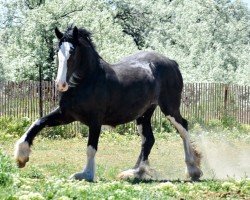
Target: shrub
[64, 131]
[10, 127]
[163, 126]
[229, 121]
[124, 129]
[7, 169]
[57, 132]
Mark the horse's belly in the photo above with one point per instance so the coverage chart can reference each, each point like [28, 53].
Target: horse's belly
[125, 113]
[115, 119]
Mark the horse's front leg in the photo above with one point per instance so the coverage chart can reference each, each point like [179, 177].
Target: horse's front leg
[88, 172]
[22, 147]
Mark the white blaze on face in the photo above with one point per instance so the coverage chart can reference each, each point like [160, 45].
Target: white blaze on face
[63, 56]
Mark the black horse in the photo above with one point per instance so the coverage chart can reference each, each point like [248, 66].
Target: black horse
[97, 93]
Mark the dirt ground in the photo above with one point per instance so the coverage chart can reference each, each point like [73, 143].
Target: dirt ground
[226, 158]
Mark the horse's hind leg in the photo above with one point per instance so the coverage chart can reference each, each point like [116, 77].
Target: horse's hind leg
[22, 147]
[170, 107]
[140, 169]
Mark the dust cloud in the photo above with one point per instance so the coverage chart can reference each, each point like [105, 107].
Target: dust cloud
[223, 158]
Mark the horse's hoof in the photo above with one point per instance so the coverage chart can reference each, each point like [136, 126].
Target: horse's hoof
[142, 173]
[22, 163]
[128, 174]
[194, 173]
[21, 154]
[82, 176]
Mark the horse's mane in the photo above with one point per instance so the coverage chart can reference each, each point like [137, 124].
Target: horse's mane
[84, 36]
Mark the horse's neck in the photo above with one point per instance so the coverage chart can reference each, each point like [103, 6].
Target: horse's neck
[86, 70]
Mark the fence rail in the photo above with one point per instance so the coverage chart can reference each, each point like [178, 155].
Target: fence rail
[203, 101]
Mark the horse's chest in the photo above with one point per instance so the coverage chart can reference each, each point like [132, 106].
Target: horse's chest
[82, 101]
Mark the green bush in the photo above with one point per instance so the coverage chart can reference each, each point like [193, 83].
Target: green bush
[124, 129]
[56, 132]
[10, 127]
[229, 121]
[7, 170]
[64, 131]
[162, 126]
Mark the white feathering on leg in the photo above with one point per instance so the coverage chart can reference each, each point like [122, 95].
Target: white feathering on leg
[143, 172]
[192, 156]
[22, 152]
[89, 171]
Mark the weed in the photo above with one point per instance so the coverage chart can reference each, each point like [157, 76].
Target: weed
[7, 170]
[10, 127]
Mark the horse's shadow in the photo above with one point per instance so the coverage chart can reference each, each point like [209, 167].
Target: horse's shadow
[148, 181]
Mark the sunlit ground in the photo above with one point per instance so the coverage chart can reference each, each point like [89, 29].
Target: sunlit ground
[225, 165]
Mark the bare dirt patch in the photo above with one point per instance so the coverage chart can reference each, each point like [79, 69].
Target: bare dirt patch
[225, 158]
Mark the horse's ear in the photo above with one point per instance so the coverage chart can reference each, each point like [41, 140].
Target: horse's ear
[75, 33]
[58, 33]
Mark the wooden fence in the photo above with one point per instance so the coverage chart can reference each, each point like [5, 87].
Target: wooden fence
[201, 101]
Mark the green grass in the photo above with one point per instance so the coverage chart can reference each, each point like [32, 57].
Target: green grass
[53, 161]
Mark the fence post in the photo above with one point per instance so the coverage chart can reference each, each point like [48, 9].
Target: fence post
[40, 92]
[225, 99]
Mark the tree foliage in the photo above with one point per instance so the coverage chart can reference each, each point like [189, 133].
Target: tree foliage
[30, 43]
[209, 39]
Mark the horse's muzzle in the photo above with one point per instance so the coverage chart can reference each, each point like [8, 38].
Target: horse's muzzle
[62, 86]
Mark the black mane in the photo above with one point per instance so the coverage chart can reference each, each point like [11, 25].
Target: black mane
[84, 36]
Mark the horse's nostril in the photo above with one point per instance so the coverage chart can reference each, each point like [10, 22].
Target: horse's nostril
[64, 85]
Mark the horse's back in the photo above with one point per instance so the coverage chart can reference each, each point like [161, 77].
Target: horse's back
[157, 66]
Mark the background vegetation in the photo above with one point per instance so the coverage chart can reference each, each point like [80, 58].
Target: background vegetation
[209, 39]
[53, 161]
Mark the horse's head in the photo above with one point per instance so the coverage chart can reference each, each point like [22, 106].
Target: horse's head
[77, 56]
[67, 46]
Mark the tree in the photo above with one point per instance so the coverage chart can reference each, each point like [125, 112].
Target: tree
[134, 17]
[31, 43]
[209, 39]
